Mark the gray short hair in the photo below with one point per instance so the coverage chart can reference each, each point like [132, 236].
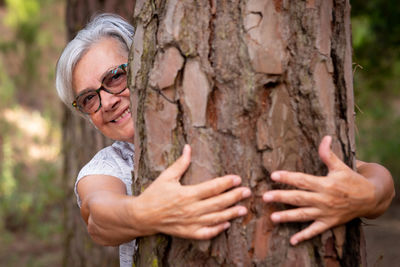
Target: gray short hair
[103, 25]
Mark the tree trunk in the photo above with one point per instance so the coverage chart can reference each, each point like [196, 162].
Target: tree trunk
[252, 86]
[80, 142]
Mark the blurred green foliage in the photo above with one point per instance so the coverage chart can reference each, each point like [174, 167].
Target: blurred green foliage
[376, 44]
[24, 18]
[31, 37]
[6, 85]
[31, 41]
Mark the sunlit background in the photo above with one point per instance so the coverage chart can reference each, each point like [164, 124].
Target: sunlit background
[32, 34]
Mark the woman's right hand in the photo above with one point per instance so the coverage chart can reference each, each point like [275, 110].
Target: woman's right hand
[189, 211]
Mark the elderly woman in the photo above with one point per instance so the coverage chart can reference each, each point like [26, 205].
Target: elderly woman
[91, 76]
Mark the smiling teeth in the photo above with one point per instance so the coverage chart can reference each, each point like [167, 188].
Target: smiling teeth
[126, 112]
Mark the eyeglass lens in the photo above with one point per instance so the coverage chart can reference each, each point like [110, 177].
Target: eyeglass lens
[114, 83]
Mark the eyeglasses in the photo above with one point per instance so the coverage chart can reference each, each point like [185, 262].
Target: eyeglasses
[114, 82]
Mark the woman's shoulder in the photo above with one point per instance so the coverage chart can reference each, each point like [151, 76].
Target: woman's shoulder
[123, 149]
[117, 151]
[116, 159]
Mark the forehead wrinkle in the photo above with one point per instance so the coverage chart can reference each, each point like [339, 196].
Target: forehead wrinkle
[85, 89]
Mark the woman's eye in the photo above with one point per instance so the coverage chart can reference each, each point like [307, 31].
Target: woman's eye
[115, 80]
[88, 99]
[116, 76]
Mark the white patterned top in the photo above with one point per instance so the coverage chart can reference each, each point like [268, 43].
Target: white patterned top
[115, 160]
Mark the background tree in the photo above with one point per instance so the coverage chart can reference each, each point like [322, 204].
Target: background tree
[252, 86]
[80, 142]
[376, 42]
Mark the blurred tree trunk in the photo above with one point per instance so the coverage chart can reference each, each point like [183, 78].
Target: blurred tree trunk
[80, 142]
[252, 86]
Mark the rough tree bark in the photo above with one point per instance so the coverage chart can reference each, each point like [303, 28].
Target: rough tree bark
[80, 142]
[252, 86]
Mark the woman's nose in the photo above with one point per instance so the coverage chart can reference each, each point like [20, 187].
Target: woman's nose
[109, 101]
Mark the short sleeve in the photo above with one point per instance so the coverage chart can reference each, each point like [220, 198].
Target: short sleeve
[115, 160]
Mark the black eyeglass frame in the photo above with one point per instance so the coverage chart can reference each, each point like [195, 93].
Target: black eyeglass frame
[102, 87]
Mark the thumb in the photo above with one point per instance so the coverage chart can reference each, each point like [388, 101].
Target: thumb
[178, 168]
[327, 156]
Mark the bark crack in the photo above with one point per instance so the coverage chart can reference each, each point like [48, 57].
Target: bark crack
[211, 27]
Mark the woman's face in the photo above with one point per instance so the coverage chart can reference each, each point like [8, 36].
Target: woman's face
[114, 118]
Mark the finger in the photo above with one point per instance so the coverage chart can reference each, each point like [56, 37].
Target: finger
[293, 197]
[328, 157]
[215, 186]
[222, 201]
[208, 232]
[298, 179]
[295, 215]
[312, 230]
[178, 168]
[223, 216]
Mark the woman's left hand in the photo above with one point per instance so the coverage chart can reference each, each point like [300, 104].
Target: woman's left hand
[327, 201]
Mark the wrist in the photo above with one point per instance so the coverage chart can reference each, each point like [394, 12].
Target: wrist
[382, 184]
[373, 207]
[138, 216]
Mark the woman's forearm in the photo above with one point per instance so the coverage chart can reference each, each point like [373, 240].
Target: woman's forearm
[195, 211]
[382, 180]
[110, 220]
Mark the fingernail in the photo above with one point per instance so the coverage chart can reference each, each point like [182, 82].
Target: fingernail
[237, 180]
[185, 148]
[227, 225]
[294, 242]
[242, 211]
[329, 139]
[275, 176]
[275, 217]
[246, 192]
[268, 197]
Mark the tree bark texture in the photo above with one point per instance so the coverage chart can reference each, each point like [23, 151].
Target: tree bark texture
[80, 142]
[252, 86]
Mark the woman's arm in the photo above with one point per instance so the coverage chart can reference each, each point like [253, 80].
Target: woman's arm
[193, 211]
[382, 181]
[334, 199]
[104, 208]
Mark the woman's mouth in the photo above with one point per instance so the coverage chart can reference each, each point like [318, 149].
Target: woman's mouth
[127, 112]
